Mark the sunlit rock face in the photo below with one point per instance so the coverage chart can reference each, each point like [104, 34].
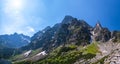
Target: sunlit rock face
[114, 56]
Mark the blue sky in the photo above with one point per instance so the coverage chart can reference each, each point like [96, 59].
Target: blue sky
[30, 16]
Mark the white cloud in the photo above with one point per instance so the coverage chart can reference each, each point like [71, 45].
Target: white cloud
[30, 29]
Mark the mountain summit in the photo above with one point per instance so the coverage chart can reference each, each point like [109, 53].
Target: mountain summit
[67, 19]
[97, 28]
[100, 33]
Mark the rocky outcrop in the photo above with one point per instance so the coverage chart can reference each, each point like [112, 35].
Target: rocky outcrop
[113, 58]
[100, 34]
[115, 35]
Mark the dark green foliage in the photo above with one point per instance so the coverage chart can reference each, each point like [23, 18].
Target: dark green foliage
[65, 59]
[69, 58]
[68, 48]
[6, 52]
[88, 56]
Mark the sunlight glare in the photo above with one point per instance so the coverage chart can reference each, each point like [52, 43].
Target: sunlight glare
[15, 4]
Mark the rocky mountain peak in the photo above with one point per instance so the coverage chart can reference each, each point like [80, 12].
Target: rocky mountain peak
[97, 28]
[98, 24]
[100, 33]
[67, 19]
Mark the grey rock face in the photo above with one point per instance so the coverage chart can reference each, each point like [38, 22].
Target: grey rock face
[113, 58]
[100, 34]
[115, 36]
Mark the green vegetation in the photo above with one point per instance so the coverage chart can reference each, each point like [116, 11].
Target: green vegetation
[64, 55]
[92, 48]
[67, 48]
[6, 53]
[68, 55]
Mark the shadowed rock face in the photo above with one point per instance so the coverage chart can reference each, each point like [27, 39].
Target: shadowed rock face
[115, 36]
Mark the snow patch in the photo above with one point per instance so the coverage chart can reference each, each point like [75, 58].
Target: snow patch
[104, 51]
[25, 39]
[42, 53]
[43, 31]
[53, 37]
[27, 53]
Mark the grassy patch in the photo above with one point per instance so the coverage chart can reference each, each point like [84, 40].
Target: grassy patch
[92, 48]
[69, 56]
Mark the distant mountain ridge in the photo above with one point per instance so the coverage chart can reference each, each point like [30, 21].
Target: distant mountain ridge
[14, 40]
